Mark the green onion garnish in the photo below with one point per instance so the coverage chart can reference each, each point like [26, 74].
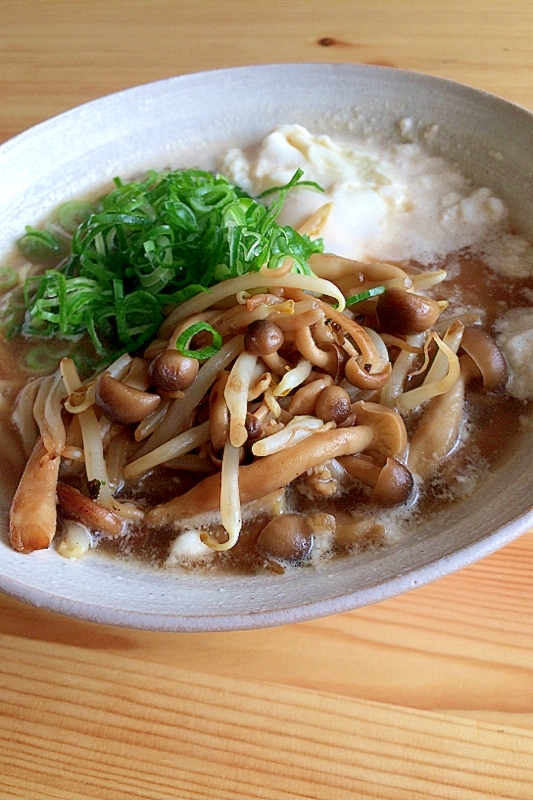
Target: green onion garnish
[357, 298]
[41, 360]
[148, 245]
[8, 279]
[206, 352]
[71, 214]
[39, 247]
[311, 184]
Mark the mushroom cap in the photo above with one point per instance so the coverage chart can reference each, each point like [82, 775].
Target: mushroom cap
[403, 313]
[390, 436]
[391, 484]
[122, 403]
[286, 538]
[333, 404]
[171, 371]
[394, 484]
[262, 338]
[487, 357]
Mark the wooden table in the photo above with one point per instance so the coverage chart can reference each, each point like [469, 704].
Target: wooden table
[426, 695]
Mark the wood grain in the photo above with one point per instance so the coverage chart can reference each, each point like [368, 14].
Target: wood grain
[77, 730]
[461, 645]
[428, 695]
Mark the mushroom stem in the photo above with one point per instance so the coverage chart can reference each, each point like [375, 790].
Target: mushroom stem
[32, 522]
[77, 506]
[266, 474]
[367, 368]
[303, 401]
[487, 357]
[366, 380]
[438, 431]
[326, 360]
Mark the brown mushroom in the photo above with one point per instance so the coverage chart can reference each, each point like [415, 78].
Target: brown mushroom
[171, 371]
[76, 505]
[122, 403]
[32, 521]
[276, 364]
[403, 313]
[137, 375]
[262, 338]
[438, 431]
[254, 427]
[390, 436]
[326, 357]
[487, 357]
[391, 484]
[303, 401]
[333, 405]
[338, 360]
[285, 538]
[358, 376]
[269, 473]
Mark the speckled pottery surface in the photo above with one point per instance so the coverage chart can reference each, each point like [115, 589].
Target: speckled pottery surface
[187, 121]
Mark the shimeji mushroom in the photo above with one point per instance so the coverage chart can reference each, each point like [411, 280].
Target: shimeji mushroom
[440, 427]
[487, 357]
[94, 516]
[266, 474]
[286, 538]
[262, 338]
[391, 483]
[333, 405]
[171, 371]
[303, 401]
[390, 435]
[382, 434]
[122, 403]
[403, 313]
[32, 522]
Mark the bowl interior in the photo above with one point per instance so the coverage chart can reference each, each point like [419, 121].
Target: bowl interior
[188, 121]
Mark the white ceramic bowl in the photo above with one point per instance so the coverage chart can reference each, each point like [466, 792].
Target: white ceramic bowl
[187, 120]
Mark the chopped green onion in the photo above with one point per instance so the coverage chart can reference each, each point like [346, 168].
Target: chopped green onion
[8, 279]
[71, 214]
[357, 298]
[147, 245]
[311, 184]
[41, 359]
[39, 246]
[206, 352]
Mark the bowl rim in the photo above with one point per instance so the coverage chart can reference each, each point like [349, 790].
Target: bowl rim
[282, 65]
